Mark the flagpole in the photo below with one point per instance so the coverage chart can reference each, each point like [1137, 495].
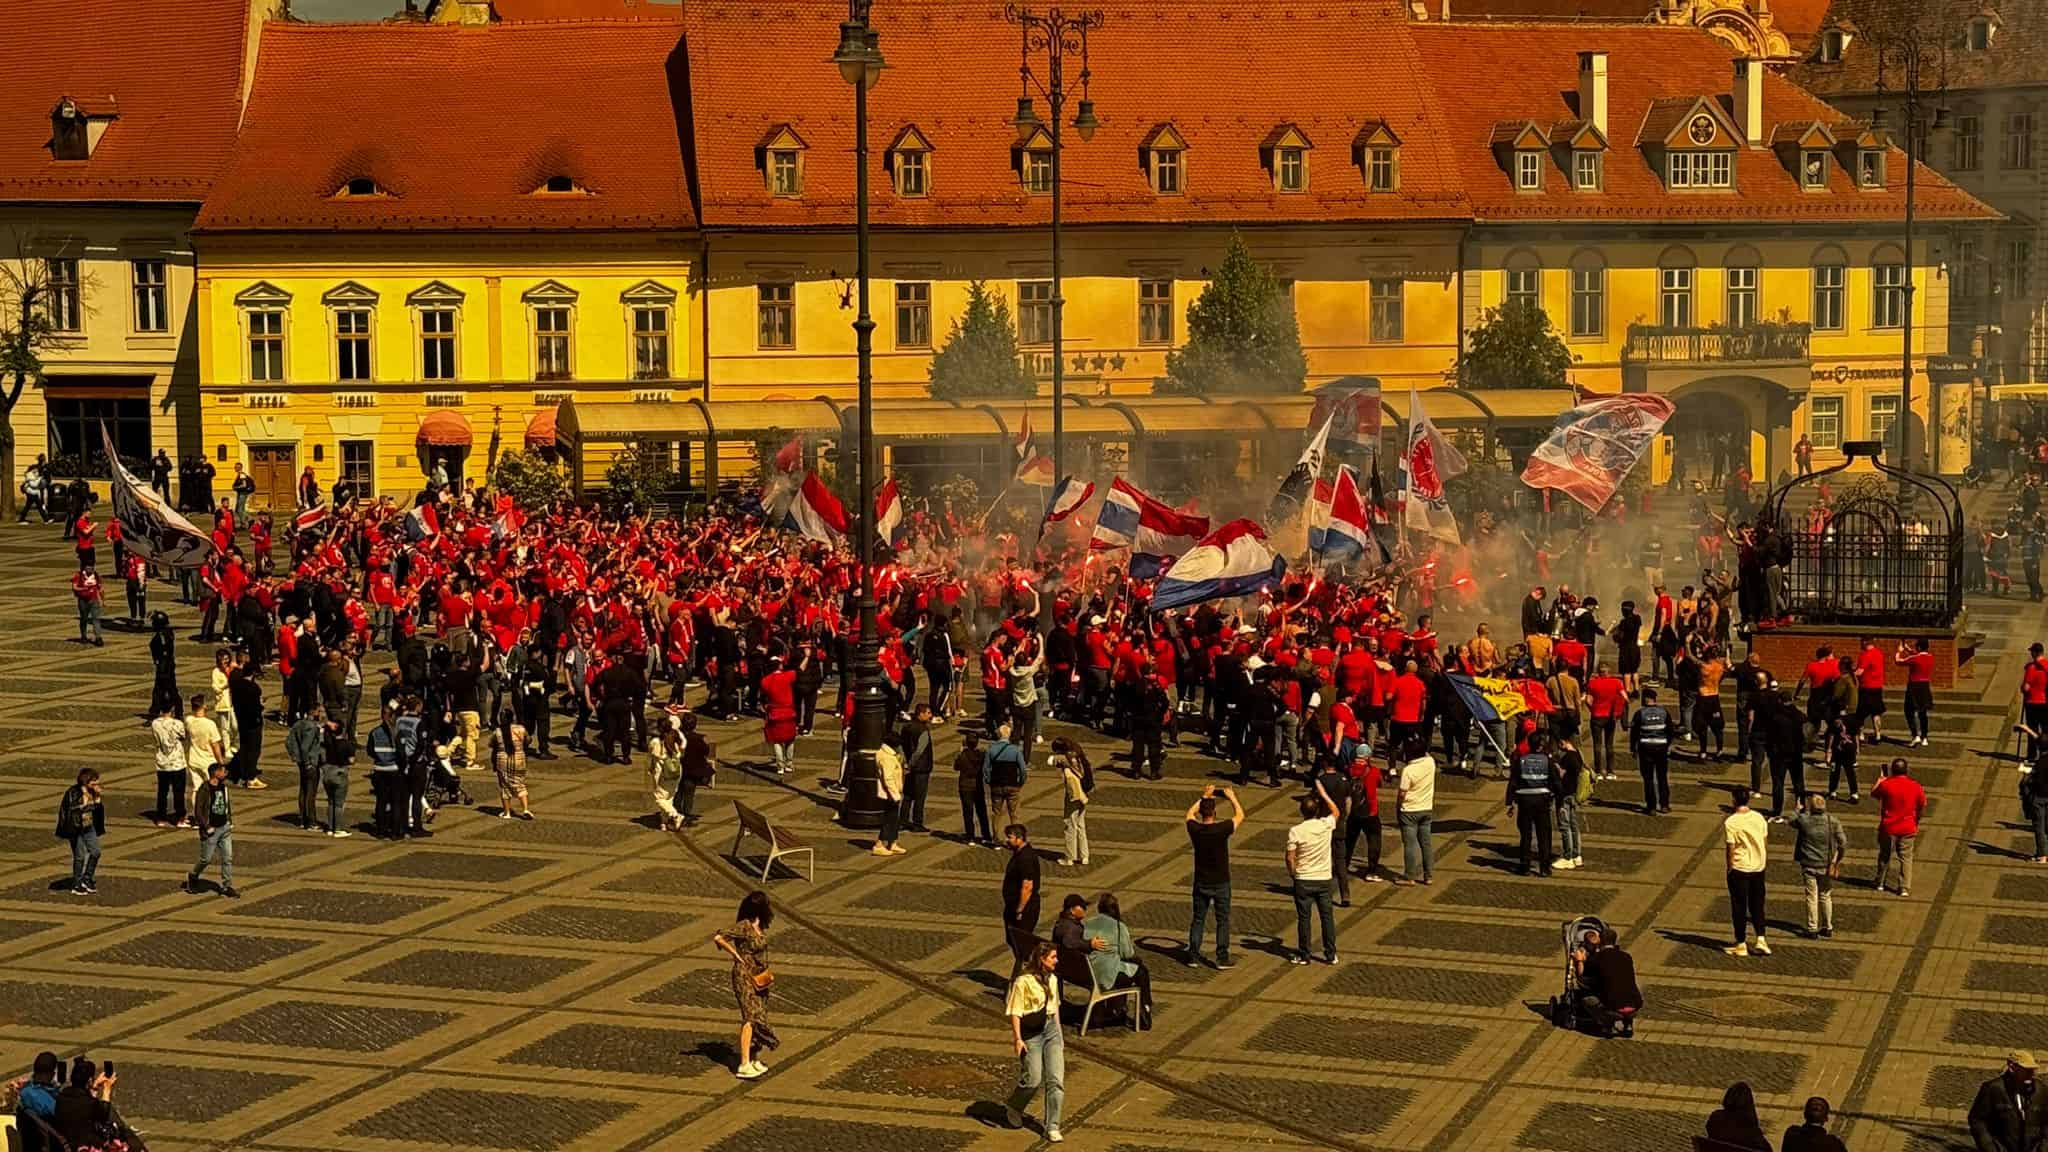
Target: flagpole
[983, 523]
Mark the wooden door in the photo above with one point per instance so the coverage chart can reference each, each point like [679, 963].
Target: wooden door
[274, 467]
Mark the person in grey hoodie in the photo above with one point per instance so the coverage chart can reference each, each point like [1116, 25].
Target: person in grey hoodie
[306, 743]
[1819, 854]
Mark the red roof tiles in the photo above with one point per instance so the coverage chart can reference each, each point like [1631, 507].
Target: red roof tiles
[1224, 74]
[2018, 54]
[1531, 73]
[171, 71]
[586, 9]
[460, 125]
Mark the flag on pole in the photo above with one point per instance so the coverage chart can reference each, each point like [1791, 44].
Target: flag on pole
[151, 528]
[1350, 533]
[1150, 529]
[420, 523]
[1319, 514]
[1067, 499]
[889, 514]
[1428, 463]
[1033, 467]
[310, 518]
[1593, 447]
[1232, 561]
[816, 513]
[1352, 404]
[1301, 482]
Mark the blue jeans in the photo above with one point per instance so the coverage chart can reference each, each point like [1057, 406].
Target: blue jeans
[241, 505]
[89, 618]
[1315, 893]
[334, 780]
[1415, 854]
[1568, 828]
[1044, 1062]
[222, 841]
[85, 856]
[1207, 896]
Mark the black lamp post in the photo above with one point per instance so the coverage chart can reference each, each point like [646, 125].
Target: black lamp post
[1915, 52]
[860, 63]
[1058, 35]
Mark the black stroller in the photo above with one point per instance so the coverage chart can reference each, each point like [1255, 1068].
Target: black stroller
[1564, 1010]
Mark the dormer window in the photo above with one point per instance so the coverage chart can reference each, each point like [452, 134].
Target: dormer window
[1700, 170]
[1284, 152]
[1523, 149]
[1163, 155]
[1977, 37]
[909, 163]
[1870, 169]
[1697, 141]
[1529, 170]
[1832, 43]
[76, 127]
[1589, 170]
[559, 185]
[1814, 169]
[359, 188]
[1377, 152]
[780, 155]
[1032, 155]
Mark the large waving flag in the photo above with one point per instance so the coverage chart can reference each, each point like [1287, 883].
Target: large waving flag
[1319, 514]
[816, 512]
[1032, 467]
[1350, 532]
[1067, 499]
[151, 528]
[1301, 481]
[421, 523]
[1593, 446]
[1429, 462]
[1150, 529]
[1232, 561]
[889, 514]
[1352, 405]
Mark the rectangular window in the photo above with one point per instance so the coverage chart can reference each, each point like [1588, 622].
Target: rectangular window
[1166, 171]
[910, 172]
[1034, 311]
[2019, 140]
[785, 173]
[1528, 171]
[1385, 169]
[1884, 421]
[1700, 169]
[1870, 169]
[1742, 297]
[266, 346]
[1589, 301]
[62, 302]
[152, 310]
[551, 343]
[1814, 167]
[650, 343]
[914, 315]
[2019, 268]
[74, 429]
[1155, 311]
[1888, 296]
[778, 315]
[352, 344]
[1386, 319]
[1588, 170]
[1674, 297]
[1969, 143]
[1525, 288]
[437, 344]
[1824, 422]
[1830, 294]
[1292, 169]
[1963, 280]
[1038, 171]
[359, 465]
[1720, 169]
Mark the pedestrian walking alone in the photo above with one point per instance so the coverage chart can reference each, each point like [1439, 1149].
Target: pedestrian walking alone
[747, 943]
[1033, 1008]
[82, 820]
[1745, 836]
[1819, 852]
[1901, 802]
[213, 814]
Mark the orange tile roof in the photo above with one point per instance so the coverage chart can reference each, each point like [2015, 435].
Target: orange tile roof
[459, 125]
[1531, 73]
[586, 9]
[1224, 74]
[172, 71]
[2018, 54]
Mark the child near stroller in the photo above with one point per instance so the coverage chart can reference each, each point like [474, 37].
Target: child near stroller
[1600, 991]
[444, 786]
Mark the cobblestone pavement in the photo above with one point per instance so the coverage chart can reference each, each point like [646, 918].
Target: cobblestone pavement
[551, 985]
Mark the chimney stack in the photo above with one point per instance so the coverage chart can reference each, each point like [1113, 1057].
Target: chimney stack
[1444, 11]
[1749, 101]
[1593, 89]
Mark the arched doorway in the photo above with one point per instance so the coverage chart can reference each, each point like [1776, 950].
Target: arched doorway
[1724, 424]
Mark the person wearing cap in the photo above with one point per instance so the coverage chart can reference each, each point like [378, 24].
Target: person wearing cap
[2008, 1115]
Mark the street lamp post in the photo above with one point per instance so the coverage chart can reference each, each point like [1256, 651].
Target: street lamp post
[1918, 56]
[859, 59]
[1057, 34]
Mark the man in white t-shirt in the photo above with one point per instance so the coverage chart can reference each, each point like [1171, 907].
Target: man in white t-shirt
[1747, 838]
[1415, 802]
[202, 747]
[169, 733]
[1308, 862]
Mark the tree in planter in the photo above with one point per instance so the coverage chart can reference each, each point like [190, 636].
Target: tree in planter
[980, 359]
[1241, 335]
[533, 483]
[26, 331]
[639, 477]
[1515, 347]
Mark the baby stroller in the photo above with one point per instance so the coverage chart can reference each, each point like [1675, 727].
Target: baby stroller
[1564, 1010]
[444, 786]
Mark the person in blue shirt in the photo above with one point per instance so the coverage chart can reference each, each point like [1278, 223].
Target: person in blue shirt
[1118, 965]
[39, 1095]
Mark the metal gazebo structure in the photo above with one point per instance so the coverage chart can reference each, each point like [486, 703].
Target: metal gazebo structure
[1879, 549]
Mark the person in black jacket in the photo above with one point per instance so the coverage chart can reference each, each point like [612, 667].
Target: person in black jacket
[915, 738]
[1608, 993]
[85, 1110]
[1812, 1135]
[1151, 709]
[82, 820]
[2008, 1115]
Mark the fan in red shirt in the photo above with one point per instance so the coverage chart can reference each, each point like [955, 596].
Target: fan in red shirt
[1870, 706]
[1408, 696]
[1901, 801]
[1919, 689]
[1607, 700]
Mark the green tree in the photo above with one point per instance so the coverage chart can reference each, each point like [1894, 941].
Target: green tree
[26, 329]
[639, 477]
[1515, 347]
[979, 359]
[1241, 335]
[532, 482]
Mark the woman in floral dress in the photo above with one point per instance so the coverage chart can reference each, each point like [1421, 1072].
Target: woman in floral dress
[747, 943]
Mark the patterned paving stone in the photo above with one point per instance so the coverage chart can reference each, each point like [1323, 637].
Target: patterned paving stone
[77, 1004]
[2003, 1030]
[1565, 899]
[1627, 824]
[115, 889]
[1579, 1127]
[1342, 1038]
[515, 1121]
[794, 995]
[254, 854]
[903, 945]
[1770, 1010]
[2022, 887]
[1127, 795]
[577, 922]
[457, 867]
[776, 1133]
[18, 929]
[1326, 1107]
[1439, 935]
[470, 971]
[619, 1048]
[936, 899]
[16, 840]
[1426, 984]
[333, 1027]
[41, 767]
[187, 1095]
[337, 906]
[2027, 931]
[1171, 918]
[198, 951]
[925, 1074]
[1954, 1085]
[1117, 831]
[2006, 976]
[1692, 1065]
[563, 833]
[1785, 960]
[682, 883]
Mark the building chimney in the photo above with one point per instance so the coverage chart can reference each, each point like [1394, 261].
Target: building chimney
[1749, 101]
[1444, 11]
[1593, 89]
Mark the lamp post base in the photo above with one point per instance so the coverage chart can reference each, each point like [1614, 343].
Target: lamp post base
[862, 804]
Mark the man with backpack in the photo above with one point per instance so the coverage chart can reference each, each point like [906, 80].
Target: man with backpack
[1003, 773]
[1649, 738]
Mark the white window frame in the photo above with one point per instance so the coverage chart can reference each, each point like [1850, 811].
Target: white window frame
[1744, 295]
[1888, 296]
[267, 323]
[1386, 310]
[1889, 402]
[775, 298]
[1528, 170]
[64, 294]
[1812, 181]
[1830, 297]
[1675, 302]
[365, 481]
[1968, 148]
[643, 337]
[1034, 313]
[785, 173]
[2016, 152]
[151, 312]
[1589, 284]
[913, 314]
[1870, 174]
[1383, 168]
[1155, 312]
[1169, 171]
[1515, 288]
[1589, 169]
[1037, 171]
[1290, 169]
[344, 318]
[1824, 422]
[913, 166]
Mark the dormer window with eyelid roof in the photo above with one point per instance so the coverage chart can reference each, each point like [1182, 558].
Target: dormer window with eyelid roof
[360, 188]
[1376, 150]
[1284, 154]
[561, 185]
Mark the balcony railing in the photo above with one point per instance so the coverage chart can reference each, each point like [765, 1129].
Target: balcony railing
[1755, 343]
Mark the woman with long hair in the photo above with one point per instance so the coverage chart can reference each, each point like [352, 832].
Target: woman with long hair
[747, 943]
[508, 763]
[1033, 1008]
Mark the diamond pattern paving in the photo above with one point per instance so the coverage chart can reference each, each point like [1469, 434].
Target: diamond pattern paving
[1426, 984]
[198, 951]
[336, 906]
[617, 1048]
[926, 1074]
[1340, 1038]
[2026, 931]
[334, 1027]
[577, 922]
[1323, 1106]
[1692, 1065]
[470, 971]
[457, 867]
[797, 995]
[1565, 899]
[1478, 939]
[71, 1005]
[190, 1095]
[1580, 1127]
[510, 1120]
[2004, 1030]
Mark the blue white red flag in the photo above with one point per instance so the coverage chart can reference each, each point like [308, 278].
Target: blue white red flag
[1593, 446]
[1350, 532]
[1067, 499]
[1319, 514]
[1033, 467]
[1232, 561]
[1131, 519]
[310, 518]
[1352, 406]
[889, 514]
[421, 523]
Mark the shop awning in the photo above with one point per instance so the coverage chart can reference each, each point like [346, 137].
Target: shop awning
[619, 423]
[934, 422]
[2038, 391]
[445, 428]
[540, 431]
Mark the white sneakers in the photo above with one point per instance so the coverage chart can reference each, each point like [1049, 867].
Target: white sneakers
[1570, 862]
[751, 1071]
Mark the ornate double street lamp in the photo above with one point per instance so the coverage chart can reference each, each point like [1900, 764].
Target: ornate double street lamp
[1057, 35]
[859, 59]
